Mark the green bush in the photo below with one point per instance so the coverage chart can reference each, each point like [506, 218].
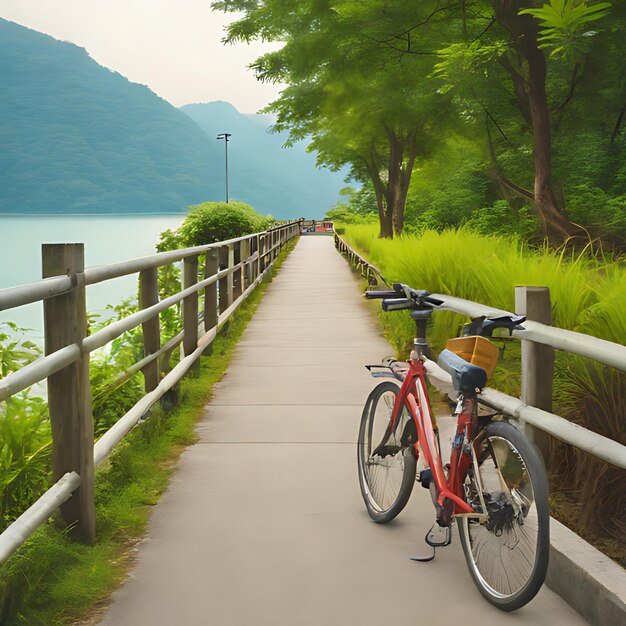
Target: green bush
[210, 222]
[25, 436]
[591, 207]
[346, 216]
[501, 219]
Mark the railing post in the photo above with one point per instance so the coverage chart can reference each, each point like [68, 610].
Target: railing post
[537, 360]
[246, 270]
[226, 283]
[260, 248]
[149, 295]
[211, 267]
[238, 273]
[269, 256]
[69, 391]
[257, 263]
[190, 310]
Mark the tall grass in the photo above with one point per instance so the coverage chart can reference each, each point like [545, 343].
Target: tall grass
[486, 268]
[588, 293]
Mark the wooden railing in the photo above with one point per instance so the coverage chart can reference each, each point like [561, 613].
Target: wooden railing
[539, 340]
[231, 270]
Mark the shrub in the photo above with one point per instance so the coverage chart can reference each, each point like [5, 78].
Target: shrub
[501, 219]
[24, 432]
[345, 216]
[210, 222]
[594, 209]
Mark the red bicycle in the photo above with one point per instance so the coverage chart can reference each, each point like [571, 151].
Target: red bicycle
[494, 487]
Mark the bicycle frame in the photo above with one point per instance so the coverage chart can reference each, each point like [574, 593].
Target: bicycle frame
[414, 395]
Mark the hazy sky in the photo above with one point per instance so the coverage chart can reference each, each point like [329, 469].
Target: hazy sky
[173, 46]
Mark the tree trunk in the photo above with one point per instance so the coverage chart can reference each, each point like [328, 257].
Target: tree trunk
[391, 194]
[399, 175]
[523, 30]
[384, 213]
[555, 225]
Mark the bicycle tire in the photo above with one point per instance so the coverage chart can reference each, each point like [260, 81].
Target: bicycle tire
[508, 556]
[386, 481]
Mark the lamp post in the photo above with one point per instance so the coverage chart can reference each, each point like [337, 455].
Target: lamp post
[225, 137]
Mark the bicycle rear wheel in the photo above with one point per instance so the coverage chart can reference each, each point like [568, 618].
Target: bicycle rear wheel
[507, 556]
[386, 459]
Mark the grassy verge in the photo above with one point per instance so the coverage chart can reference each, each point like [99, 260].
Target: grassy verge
[52, 581]
[588, 292]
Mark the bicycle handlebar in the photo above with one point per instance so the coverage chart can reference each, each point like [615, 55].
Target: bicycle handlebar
[397, 304]
[371, 295]
[404, 297]
[404, 292]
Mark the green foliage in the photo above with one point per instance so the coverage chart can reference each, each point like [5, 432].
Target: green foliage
[360, 206]
[501, 219]
[25, 454]
[346, 216]
[169, 283]
[339, 76]
[111, 395]
[460, 62]
[564, 25]
[218, 221]
[591, 206]
[24, 433]
[15, 350]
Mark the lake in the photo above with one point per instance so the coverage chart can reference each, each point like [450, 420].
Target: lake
[107, 239]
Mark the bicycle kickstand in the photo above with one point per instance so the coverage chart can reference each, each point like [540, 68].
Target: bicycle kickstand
[436, 537]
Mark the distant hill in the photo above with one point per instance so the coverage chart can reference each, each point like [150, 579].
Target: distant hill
[261, 171]
[76, 137]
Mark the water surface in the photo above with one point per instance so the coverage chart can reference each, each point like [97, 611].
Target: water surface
[107, 239]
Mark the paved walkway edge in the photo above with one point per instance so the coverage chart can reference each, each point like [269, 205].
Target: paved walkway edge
[588, 580]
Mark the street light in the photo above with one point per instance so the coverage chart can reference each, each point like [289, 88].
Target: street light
[225, 137]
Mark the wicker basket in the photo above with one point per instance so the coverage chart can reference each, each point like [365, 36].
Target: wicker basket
[477, 350]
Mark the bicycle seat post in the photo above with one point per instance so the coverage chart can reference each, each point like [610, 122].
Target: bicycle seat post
[421, 317]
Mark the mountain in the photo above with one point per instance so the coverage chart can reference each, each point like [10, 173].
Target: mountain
[77, 137]
[262, 172]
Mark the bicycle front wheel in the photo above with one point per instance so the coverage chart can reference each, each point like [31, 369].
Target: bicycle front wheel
[507, 555]
[386, 458]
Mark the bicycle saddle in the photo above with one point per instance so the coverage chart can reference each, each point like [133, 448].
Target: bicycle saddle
[465, 376]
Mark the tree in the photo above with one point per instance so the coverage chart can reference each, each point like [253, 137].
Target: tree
[363, 104]
[516, 43]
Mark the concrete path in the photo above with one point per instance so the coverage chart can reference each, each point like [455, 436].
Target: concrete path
[263, 524]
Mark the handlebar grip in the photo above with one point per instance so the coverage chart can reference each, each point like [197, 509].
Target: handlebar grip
[397, 304]
[370, 295]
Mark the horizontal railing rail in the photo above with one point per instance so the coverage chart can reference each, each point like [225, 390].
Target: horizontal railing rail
[232, 270]
[536, 367]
